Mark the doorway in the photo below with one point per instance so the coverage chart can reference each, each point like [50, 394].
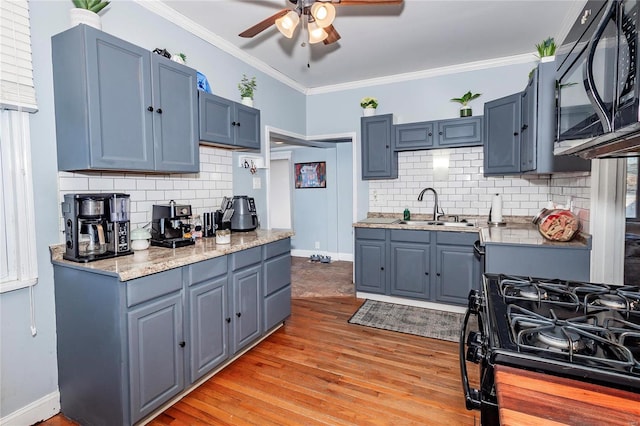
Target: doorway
[280, 208]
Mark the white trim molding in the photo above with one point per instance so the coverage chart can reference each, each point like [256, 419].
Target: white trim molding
[39, 410]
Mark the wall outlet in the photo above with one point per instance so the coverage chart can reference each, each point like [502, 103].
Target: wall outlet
[257, 183]
[317, 244]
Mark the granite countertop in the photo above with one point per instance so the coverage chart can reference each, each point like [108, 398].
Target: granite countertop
[518, 230]
[158, 259]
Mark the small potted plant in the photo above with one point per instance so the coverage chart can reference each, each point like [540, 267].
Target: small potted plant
[86, 12]
[546, 50]
[369, 106]
[180, 58]
[247, 86]
[465, 109]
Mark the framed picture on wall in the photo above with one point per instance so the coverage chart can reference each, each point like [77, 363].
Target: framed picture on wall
[311, 175]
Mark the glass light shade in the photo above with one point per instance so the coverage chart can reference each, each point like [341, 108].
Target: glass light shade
[288, 23]
[323, 13]
[316, 33]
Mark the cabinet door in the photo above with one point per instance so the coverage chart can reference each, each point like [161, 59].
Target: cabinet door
[247, 127]
[102, 91]
[379, 161]
[156, 353]
[528, 139]
[370, 266]
[502, 135]
[246, 306]
[460, 132]
[457, 273]
[410, 270]
[216, 115]
[208, 326]
[176, 111]
[414, 136]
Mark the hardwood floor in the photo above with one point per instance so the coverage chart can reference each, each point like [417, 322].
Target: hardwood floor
[320, 370]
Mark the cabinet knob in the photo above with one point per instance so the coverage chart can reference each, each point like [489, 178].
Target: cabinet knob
[439, 133]
[430, 134]
[437, 274]
[233, 123]
[150, 108]
[525, 127]
[182, 344]
[515, 133]
[238, 123]
[382, 268]
[426, 273]
[239, 314]
[228, 320]
[159, 110]
[387, 146]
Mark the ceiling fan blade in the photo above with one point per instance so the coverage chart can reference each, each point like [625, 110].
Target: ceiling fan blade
[263, 25]
[365, 2]
[333, 35]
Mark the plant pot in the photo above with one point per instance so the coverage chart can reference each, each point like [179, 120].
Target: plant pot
[466, 112]
[547, 59]
[247, 101]
[368, 112]
[84, 16]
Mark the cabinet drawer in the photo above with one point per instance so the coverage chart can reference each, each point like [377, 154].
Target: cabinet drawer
[410, 236]
[459, 238]
[277, 307]
[276, 248]
[277, 273]
[207, 269]
[244, 258]
[370, 233]
[149, 287]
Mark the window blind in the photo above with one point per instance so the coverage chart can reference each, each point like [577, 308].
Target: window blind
[16, 71]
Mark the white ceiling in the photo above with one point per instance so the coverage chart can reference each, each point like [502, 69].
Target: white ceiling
[381, 41]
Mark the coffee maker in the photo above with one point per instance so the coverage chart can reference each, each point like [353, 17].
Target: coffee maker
[96, 226]
[170, 225]
[245, 217]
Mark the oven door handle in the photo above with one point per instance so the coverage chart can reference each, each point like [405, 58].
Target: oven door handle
[471, 396]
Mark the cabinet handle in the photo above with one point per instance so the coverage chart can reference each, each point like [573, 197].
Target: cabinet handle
[228, 320]
[150, 108]
[525, 127]
[238, 123]
[430, 134]
[437, 274]
[233, 123]
[182, 344]
[439, 133]
[515, 133]
[239, 314]
[159, 110]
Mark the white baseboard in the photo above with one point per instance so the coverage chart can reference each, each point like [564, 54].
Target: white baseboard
[42, 409]
[411, 302]
[347, 257]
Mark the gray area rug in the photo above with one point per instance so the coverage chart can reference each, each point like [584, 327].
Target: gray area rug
[409, 319]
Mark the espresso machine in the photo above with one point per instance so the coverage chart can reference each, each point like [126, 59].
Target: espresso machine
[170, 225]
[96, 226]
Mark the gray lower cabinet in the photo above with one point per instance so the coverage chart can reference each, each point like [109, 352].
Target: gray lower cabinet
[124, 347]
[120, 107]
[227, 124]
[277, 282]
[371, 260]
[379, 159]
[456, 132]
[519, 130]
[410, 257]
[425, 265]
[458, 270]
[208, 316]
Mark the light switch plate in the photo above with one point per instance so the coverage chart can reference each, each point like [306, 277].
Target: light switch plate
[257, 183]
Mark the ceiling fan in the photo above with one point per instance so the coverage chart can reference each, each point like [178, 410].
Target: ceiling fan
[318, 14]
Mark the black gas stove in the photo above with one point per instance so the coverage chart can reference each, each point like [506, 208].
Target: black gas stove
[577, 330]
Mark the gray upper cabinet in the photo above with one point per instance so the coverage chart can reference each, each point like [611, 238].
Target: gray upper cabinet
[228, 124]
[502, 135]
[520, 130]
[118, 107]
[456, 132]
[379, 160]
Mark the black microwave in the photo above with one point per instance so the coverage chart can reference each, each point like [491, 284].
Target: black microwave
[597, 83]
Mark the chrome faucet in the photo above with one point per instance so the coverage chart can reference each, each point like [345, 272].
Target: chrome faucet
[437, 211]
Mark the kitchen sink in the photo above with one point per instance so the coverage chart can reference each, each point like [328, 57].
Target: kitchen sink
[435, 223]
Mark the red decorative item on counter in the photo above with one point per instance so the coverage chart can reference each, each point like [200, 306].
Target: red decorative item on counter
[557, 224]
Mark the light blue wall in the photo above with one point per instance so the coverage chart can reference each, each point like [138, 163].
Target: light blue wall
[28, 368]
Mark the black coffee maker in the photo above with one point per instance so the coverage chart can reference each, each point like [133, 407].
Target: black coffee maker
[170, 225]
[96, 226]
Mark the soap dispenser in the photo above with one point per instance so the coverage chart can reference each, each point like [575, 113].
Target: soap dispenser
[407, 214]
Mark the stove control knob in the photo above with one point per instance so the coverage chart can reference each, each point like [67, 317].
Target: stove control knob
[475, 301]
[475, 339]
[475, 354]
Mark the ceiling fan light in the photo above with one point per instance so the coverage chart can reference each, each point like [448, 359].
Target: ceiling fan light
[288, 23]
[323, 13]
[316, 33]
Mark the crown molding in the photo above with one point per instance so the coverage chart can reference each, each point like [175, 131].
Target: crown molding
[171, 15]
[435, 72]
